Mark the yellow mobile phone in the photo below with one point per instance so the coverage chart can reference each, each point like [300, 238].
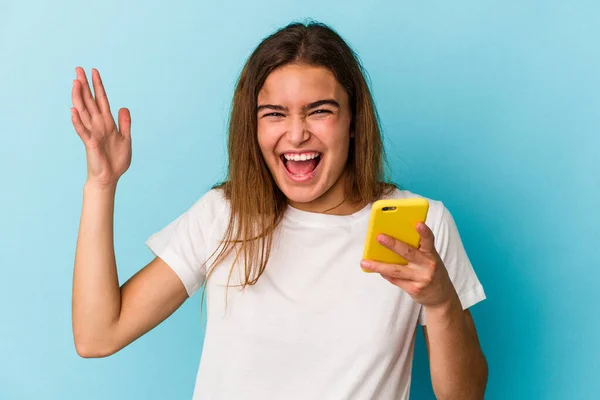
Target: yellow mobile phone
[397, 218]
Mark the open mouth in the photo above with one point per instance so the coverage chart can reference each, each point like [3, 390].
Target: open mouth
[301, 165]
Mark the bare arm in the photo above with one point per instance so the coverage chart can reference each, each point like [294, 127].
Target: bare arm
[457, 364]
[107, 317]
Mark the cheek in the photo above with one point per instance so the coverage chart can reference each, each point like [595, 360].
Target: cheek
[267, 138]
[333, 132]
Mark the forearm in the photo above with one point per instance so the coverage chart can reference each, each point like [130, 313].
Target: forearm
[458, 366]
[96, 291]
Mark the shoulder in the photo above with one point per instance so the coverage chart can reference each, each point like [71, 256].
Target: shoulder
[213, 199]
[210, 207]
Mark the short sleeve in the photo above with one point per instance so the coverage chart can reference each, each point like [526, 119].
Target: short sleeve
[450, 248]
[184, 243]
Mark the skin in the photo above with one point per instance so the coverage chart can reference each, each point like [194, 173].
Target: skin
[287, 123]
[106, 317]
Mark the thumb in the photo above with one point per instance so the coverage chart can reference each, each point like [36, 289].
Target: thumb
[125, 123]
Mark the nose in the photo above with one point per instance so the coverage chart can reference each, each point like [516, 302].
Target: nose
[298, 132]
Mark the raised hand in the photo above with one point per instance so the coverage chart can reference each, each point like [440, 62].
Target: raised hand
[108, 147]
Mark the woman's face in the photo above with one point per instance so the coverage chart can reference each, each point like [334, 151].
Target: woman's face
[304, 134]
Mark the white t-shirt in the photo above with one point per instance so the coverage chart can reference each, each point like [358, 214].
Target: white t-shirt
[315, 326]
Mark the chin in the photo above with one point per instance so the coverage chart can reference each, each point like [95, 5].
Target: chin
[300, 193]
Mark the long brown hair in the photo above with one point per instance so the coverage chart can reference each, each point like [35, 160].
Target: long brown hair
[257, 204]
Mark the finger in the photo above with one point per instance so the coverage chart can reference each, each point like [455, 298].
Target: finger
[88, 99]
[427, 238]
[408, 286]
[81, 130]
[408, 252]
[101, 98]
[125, 123]
[79, 105]
[391, 270]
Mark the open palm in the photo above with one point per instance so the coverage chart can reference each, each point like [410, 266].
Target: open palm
[108, 148]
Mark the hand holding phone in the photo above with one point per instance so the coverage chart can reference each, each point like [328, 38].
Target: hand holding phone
[397, 218]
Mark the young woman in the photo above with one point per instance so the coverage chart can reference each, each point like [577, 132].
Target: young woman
[278, 245]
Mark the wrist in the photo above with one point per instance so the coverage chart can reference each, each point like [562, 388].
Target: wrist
[446, 308]
[96, 187]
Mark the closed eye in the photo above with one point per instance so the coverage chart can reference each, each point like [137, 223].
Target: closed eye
[322, 112]
[277, 114]
[273, 114]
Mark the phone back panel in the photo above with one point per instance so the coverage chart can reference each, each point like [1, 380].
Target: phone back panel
[398, 221]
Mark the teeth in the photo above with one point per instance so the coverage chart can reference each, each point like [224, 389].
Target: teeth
[301, 157]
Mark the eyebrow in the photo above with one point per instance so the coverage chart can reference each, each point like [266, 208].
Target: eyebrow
[309, 106]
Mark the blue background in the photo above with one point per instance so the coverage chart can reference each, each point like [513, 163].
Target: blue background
[492, 107]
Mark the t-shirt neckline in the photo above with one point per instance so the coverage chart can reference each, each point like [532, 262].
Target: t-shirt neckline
[313, 218]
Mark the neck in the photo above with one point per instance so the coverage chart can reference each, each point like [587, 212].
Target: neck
[335, 201]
